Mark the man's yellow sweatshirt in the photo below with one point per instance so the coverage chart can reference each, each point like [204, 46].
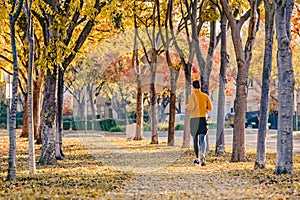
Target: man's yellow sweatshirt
[198, 104]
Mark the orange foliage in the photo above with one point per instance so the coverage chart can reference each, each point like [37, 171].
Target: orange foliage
[295, 24]
[68, 106]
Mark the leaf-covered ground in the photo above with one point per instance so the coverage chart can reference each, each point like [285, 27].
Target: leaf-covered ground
[78, 176]
[95, 172]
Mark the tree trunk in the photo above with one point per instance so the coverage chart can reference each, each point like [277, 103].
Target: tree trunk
[36, 108]
[31, 150]
[24, 133]
[153, 107]
[139, 111]
[59, 122]
[91, 98]
[139, 95]
[284, 155]
[81, 109]
[186, 133]
[12, 158]
[37, 114]
[206, 69]
[260, 162]
[220, 135]
[238, 149]
[243, 58]
[49, 120]
[172, 107]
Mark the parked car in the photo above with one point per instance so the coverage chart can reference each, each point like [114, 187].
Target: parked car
[251, 119]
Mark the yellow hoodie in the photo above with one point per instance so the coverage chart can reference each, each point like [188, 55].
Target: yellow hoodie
[198, 104]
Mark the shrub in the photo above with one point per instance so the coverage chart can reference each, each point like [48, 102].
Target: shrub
[163, 126]
[66, 125]
[179, 127]
[147, 127]
[117, 129]
[3, 126]
[212, 124]
[106, 124]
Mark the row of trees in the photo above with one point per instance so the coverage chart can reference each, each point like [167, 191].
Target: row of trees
[52, 37]
[236, 15]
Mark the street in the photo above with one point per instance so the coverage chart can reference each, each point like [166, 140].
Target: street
[251, 138]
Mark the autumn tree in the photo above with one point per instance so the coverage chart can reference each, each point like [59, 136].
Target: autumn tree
[61, 47]
[243, 58]
[220, 134]
[286, 81]
[23, 58]
[13, 16]
[30, 33]
[260, 162]
[174, 67]
[139, 93]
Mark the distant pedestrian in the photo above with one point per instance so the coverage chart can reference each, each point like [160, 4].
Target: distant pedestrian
[198, 105]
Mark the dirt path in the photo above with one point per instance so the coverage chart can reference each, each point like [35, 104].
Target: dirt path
[220, 179]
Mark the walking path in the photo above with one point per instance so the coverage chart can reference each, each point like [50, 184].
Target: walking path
[169, 173]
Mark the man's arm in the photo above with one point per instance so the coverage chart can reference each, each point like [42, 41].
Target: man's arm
[191, 104]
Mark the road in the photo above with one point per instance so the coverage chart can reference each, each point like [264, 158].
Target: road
[251, 138]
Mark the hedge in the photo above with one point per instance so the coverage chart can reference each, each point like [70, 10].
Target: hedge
[99, 125]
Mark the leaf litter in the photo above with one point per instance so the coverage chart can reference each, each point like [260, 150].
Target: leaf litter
[95, 172]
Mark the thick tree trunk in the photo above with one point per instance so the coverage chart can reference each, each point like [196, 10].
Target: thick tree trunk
[243, 58]
[220, 136]
[284, 154]
[238, 149]
[49, 120]
[260, 162]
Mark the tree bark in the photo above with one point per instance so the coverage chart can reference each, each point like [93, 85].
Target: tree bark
[139, 95]
[139, 111]
[153, 105]
[172, 108]
[220, 136]
[30, 29]
[286, 81]
[260, 162]
[49, 120]
[59, 122]
[36, 106]
[91, 99]
[12, 158]
[186, 133]
[24, 133]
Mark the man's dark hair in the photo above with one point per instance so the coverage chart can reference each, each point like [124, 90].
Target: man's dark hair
[196, 84]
